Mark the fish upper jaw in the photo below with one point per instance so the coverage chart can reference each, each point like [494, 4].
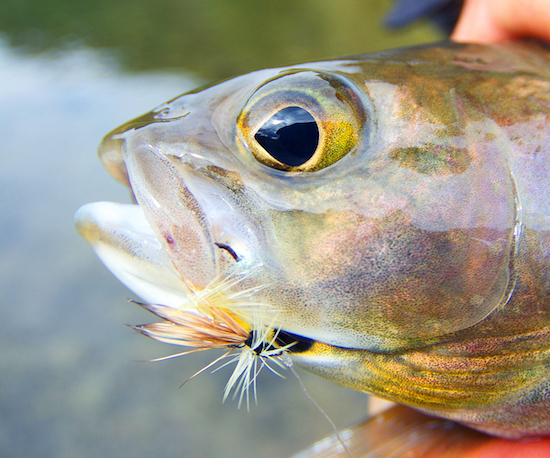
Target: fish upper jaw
[233, 212]
[192, 225]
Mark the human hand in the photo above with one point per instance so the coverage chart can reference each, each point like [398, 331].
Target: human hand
[490, 21]
[403, 432]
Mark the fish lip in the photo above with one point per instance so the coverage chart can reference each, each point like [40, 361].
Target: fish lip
[126, 244]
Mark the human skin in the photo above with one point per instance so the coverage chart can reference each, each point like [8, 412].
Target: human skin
[491, 21]
[401, 431]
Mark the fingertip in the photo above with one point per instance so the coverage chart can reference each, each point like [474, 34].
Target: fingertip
[477, 24]
[491, 21]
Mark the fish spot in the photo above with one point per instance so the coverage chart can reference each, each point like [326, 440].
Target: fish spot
[228, 178]
[230, 250]
[433, 159]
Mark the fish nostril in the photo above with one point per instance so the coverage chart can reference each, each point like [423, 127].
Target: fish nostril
[230, 250]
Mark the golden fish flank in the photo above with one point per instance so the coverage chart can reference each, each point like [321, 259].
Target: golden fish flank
[387, 212]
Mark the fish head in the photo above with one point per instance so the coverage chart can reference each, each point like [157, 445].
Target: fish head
[351, 206]
[371, 208]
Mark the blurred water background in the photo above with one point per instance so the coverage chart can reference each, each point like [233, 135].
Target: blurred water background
[72, 383]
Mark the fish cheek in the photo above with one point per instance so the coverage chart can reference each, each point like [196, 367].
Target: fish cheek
[384, 278]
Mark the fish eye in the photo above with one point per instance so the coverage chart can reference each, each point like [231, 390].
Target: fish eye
[302, 121]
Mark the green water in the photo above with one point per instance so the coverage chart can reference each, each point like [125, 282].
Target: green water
[212, 38]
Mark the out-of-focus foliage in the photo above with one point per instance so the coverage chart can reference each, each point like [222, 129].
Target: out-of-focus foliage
[212, 38]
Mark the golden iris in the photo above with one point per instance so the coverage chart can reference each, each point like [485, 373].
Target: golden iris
[301, 121]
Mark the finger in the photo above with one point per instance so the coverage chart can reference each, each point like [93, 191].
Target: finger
[490, 21]
[404, 432]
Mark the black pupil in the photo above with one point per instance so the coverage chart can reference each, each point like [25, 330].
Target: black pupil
[291, 136]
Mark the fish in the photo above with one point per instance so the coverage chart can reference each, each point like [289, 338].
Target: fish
[381, 220]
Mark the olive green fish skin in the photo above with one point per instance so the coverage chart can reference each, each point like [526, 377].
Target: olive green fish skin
[418, 261]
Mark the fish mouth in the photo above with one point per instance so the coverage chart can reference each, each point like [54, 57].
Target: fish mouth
[125, 242]
[144, 245]
[183, 234]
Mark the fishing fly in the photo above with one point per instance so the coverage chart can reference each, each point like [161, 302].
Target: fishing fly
[217, 318]
[250, 344]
